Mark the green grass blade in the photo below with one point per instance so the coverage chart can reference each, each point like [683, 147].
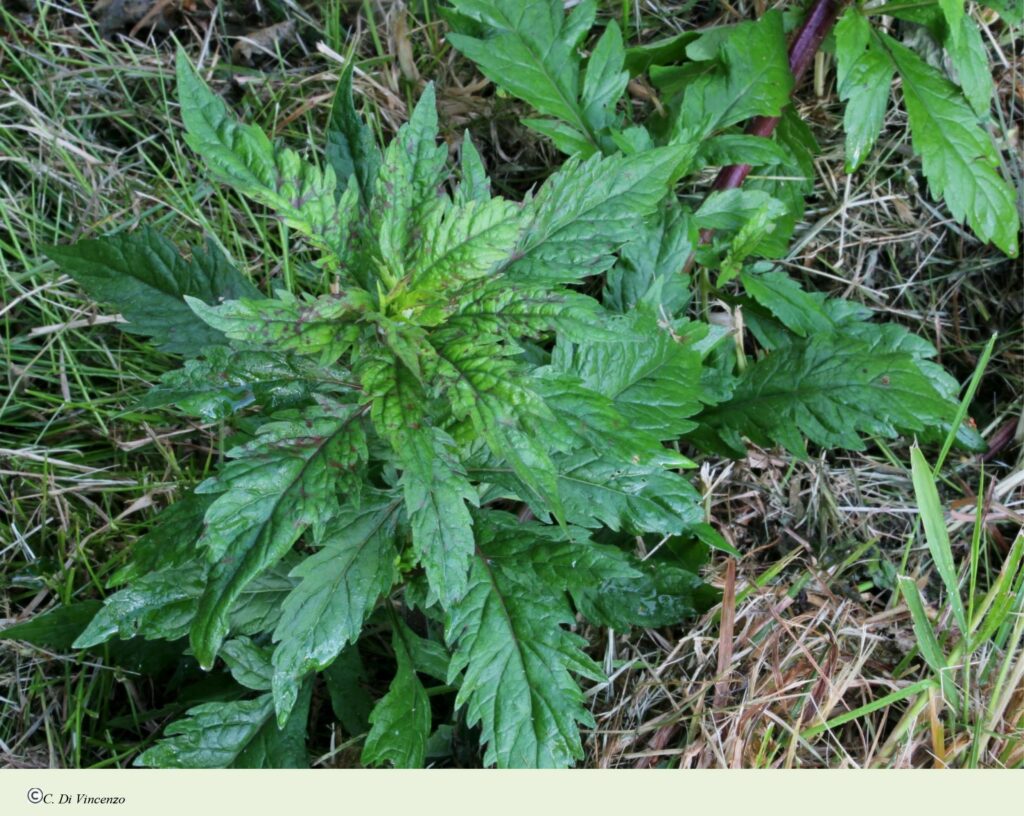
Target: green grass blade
[927, 642]
[1004, 595]
[965, 403]
[870, 708]
[935, 533]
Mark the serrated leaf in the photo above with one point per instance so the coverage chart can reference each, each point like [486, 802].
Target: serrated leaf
[282, 746]
[158, 605]
[970, 59]
[240, 734]
[463, 243]
[144, 277]
[516, 661]
[338, 588]
[428, 656]
[657, 594]
[601, 491]
[436, 493]
[302, 194]
[212, 736]
[561, 559]
[649, 268]
[228, 381]
[864, 80]
[957, 156]
[489, 390]
[588, 209]
[598, 491]
[604, 80]
[530, 54]
[435, 488]
[401, 719]
[750, 240]
[733, 209]
[803, 314]
[407, 185]
[275, 487]
[474, 184]
[350, 148]
[830, 389]
[753, 78]
[800, 311]
[589, 419]
[650, 373]
[258, 607]
[528, 310]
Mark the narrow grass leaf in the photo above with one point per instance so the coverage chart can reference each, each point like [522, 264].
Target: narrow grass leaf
[936, 535]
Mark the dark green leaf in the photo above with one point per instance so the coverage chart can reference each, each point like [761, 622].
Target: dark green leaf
[649, 372]
[864, 78]
[157, 605]
[746, 74]
[142, 276]
[351, 149]
[299, 192]
[212, 736]
[324, 326]
[284, 746]
[530, 53]
[588, 209]
[346, 684]
[970, 58]
[659, 594]
[338, 588]
[604, 81]
[401, 720]
[516, 661]
[55, 629]
[831, 389]
[249, 664]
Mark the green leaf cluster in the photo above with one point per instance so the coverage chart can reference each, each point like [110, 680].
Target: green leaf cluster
[947, 122]
[709, 83]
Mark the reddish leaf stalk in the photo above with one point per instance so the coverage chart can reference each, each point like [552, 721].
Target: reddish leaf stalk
[805, 45]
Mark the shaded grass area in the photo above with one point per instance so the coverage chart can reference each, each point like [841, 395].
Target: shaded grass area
[818, 632]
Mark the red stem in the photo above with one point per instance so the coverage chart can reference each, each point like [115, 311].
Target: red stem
[805, 44]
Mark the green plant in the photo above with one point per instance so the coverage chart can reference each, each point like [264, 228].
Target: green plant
[710, 81]
[449, 431]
